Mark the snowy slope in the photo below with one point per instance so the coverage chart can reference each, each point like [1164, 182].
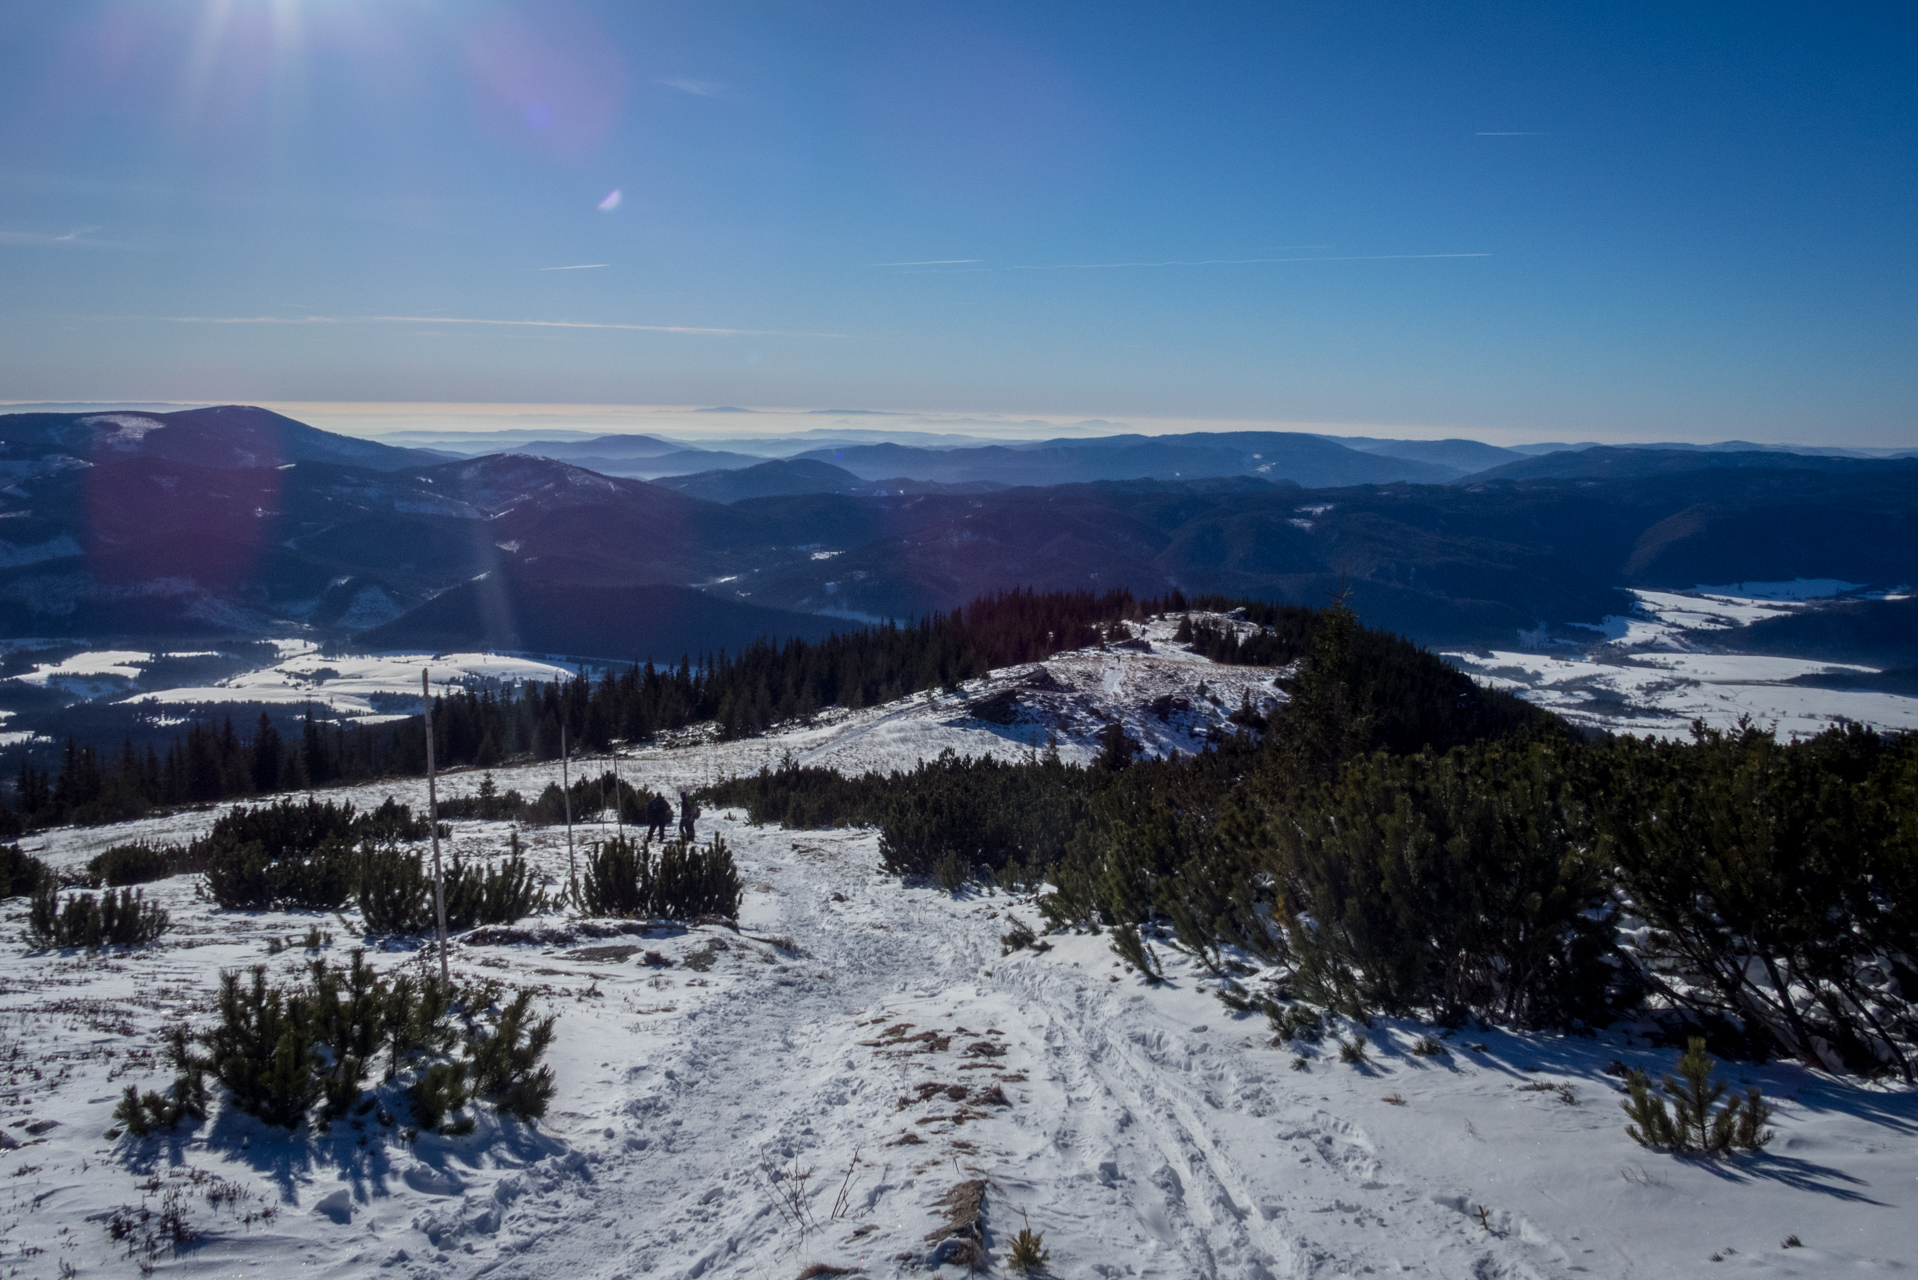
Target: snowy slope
[1675, 659]
[1145, 1131]
[352, 685]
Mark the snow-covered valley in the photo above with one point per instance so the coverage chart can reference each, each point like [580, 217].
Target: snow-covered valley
[1676, 659]
[859, 1062]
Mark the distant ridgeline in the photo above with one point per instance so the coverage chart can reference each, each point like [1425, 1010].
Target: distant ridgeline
[766, 683]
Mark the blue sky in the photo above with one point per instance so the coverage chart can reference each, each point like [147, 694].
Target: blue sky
[1564, 221]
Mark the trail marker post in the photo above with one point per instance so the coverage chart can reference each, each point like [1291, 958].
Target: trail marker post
[566, 795]
[433, 822]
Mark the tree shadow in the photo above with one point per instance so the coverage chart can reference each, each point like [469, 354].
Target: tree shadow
[359, 1149]
[1790, 1171]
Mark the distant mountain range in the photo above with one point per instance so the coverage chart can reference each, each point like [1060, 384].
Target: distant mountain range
[237, 522]
[520, 610]
[786, 476]
[1269, 455]
[1613, 463]
[229, 437]
[1314, 461]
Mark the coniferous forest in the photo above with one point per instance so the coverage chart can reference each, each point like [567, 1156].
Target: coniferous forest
[763, 684]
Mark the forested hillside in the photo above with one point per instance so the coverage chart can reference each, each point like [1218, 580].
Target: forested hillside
[744, 692]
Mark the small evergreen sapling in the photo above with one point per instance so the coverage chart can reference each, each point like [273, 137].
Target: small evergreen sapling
[143, 1114]
[1029, 1254]
[506, 1063]
[1132, 949]
[1690, 1125]
[1295, 1022]
[1020, 937]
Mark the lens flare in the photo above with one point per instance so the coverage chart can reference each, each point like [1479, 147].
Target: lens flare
[547, 77]
[611, 202]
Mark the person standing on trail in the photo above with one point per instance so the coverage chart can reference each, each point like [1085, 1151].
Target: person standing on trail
[659, 811]
[688, 812]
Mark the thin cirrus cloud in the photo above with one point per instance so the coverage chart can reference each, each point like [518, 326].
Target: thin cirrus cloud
[696, 330]
[1239, 262]
[76, 236]
[698, 88]
[1186, 262]
[581, 266]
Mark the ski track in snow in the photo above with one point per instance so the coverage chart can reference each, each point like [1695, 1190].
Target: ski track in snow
[1145, 1130]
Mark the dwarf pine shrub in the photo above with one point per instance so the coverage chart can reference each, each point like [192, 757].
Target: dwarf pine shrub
[263, 1050]
[144, 1114]
[802, 797]
[618, 880]
[395, 895]
[296, 854]
[20, 873]
[395, 892]
[1295, 1022]
[506, 1064]
[681, 880]
[951, 872]
[1132, 949]
[289, 826]
[1691, 1125]
[692, 881]
[590, 799]
[126, 864]
[440, 1091]
[1020, 937]
[242, 876]
[280, 1051]
[488, 805]
[501, 893]
[237, 875]
[110, 919]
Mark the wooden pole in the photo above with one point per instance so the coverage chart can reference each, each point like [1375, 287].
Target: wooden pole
[433, 821]
[566, 796]
[619, 801]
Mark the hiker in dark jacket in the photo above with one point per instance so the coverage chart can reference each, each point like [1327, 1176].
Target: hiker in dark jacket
[688, 811]
[659, 811]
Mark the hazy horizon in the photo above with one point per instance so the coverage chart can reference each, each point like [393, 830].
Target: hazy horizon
[710, 423]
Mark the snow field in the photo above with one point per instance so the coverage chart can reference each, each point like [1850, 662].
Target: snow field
[1144, 1130]
[348, 685]
[746, 1104]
